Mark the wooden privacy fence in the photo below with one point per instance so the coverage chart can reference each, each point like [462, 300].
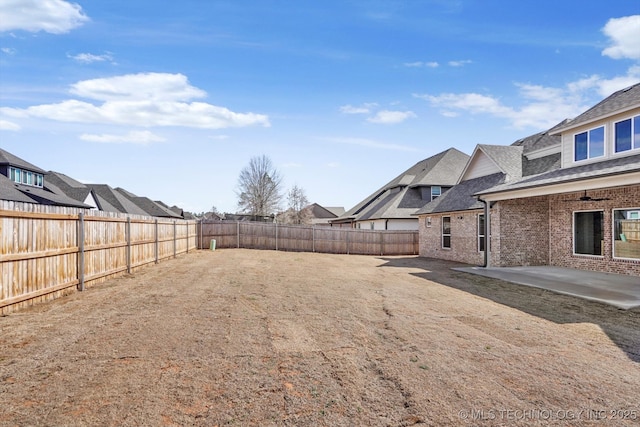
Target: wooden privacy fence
[44, 255]
[258, 235]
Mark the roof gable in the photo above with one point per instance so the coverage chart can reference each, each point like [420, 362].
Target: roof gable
[490, 159]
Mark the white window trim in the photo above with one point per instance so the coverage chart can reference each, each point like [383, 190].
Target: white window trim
[436, 195]
[613, 230]
[481, 230]
[613, 138]
[604, 149]
[573, 234]
[443, 235]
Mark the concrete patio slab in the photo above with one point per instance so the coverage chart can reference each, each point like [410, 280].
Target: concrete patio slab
[619, 290]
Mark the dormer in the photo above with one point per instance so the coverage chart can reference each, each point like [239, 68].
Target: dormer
[20, 171]
[608, 130]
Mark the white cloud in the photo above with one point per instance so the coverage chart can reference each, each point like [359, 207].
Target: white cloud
[139, 87]
[625, 37]
[420, 64]
[363, 109]
[541, 107]
[51, 16]
[6, 125]
[333, 165]
[460, 63]
[8, 50]
[391, 117]
[146, 100]
[88, 58]
[369, 143]
[134, 137]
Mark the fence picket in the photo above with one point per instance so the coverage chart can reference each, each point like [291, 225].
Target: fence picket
[260, 235]
[49, 251]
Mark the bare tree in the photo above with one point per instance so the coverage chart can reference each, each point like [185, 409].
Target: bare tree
[259, 187]
[297, 202]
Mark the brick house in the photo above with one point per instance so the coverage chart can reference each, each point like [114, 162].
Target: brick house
[574, 202]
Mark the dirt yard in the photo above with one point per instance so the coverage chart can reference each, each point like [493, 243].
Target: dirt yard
[260, 338]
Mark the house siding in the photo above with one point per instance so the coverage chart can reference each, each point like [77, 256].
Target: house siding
[561, 230]
[609, 153]
[524, 232]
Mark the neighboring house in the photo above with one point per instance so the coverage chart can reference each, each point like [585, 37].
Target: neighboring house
[21, 181]
[321, 215]
[149, 206]
[68, 186]
[577, 203]
[393, 206]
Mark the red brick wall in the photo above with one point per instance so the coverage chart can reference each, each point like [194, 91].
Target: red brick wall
[464, 246]
[532, 231]
[523, 237]
[561, 229]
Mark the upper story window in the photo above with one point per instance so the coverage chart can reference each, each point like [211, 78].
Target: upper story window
[25, 177]
[589, 144]
[627, 134]
[436, 191]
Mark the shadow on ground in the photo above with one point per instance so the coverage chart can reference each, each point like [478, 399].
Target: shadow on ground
[622, 326]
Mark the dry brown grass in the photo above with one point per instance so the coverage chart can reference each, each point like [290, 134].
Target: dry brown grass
[239, 337]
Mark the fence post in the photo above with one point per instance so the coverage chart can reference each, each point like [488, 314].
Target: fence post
[81, 251]
[276, 235]
[238, 225]
[128, 238]
[381, 243]
[187, 224]
[313, 239]
[200, 240]
[156, 246]
[348, 231]
[174, 239]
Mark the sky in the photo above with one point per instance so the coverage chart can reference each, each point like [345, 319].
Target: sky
[171, 99]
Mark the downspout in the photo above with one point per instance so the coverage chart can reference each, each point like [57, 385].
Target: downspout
[487, 232]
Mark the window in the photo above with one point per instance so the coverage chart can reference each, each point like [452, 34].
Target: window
[588, 237]
[427, 221]
[21, 176]
[446, 232]
[626, 233]
[436, 191]
[372, 225]
[627, 135]
[481, 233]
[15, 174]
[590, 144]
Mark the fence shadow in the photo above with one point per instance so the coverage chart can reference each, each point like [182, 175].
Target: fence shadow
[621, 326]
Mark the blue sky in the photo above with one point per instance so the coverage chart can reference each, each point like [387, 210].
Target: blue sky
[170, 100]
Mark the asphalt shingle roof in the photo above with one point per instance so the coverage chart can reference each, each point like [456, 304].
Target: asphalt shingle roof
[7, 158]
[147, 205]
[462, 196]
[577, 173]
[67, 185]
[401, 197]
[619, 101]
[507, 157]
[9, 191]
